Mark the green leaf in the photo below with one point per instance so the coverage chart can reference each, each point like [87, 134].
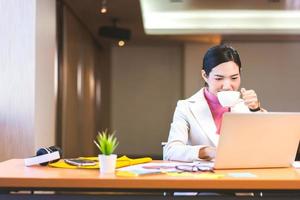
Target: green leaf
[106, 143]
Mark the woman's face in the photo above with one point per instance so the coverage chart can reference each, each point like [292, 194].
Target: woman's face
[225, 76]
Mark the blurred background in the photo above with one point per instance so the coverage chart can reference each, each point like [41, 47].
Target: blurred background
[71, 68]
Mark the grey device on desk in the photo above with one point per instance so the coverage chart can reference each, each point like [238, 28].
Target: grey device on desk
[258, 140]
[80, 162]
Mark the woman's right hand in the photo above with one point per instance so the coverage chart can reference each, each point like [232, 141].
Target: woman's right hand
[250, 98]
[207, 153]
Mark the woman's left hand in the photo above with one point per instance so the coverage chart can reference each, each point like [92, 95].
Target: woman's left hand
[250, 98]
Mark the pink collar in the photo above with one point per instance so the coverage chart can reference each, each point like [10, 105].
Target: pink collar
[216, 108]
[211, 98]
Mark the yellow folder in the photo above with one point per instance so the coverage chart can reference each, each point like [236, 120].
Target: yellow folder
[121, 162]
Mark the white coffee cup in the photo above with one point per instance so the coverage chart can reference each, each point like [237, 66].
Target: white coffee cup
[228, 98]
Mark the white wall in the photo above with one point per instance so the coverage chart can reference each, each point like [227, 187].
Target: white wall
[146, 84]
[17, 65]
[27, 61]
[193, 57]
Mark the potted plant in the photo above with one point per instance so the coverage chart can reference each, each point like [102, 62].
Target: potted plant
[106, 143]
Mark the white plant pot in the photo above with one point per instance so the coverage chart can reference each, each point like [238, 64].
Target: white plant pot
[107, 163]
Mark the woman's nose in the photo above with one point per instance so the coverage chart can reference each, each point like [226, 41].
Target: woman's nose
[227, 85]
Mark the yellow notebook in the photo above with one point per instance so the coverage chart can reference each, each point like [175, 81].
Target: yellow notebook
[121, 162]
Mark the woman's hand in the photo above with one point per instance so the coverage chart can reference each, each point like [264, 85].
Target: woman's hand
[207, 153]
[250, 98]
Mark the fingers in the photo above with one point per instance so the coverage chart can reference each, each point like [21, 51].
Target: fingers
[252, 104]
[249, 94]
[250, 98]
[207, 153]
[243, 90]
[211, 152]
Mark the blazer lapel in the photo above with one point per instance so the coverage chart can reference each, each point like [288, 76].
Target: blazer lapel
[201, 111]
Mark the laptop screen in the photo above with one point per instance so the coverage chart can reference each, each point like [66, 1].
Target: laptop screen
[258, 140]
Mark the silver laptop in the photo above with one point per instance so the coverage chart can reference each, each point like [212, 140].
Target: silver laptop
[258, 140]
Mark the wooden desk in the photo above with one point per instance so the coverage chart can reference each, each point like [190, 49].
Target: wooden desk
[15, 176]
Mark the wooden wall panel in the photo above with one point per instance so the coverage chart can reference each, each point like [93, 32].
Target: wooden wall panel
[78, 89]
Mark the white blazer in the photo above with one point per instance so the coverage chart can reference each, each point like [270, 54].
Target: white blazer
[193, 127]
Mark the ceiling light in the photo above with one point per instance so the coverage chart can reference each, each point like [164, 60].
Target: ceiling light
[103, 8]
[121, 43]
[180, 20]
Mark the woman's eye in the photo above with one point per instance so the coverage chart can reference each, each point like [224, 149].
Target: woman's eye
[234, 78]
[218, 79]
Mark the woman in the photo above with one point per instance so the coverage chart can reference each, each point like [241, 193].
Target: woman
[196, 123]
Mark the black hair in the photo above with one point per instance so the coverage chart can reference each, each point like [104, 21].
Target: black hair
[220, 54]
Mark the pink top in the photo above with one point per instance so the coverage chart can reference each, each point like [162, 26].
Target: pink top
[216, 108]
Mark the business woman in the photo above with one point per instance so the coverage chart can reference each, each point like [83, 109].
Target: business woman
[195, 129]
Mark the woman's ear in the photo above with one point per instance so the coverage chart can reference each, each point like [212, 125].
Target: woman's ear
[204, 76]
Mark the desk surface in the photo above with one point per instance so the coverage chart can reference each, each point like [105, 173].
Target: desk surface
[13, 174]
